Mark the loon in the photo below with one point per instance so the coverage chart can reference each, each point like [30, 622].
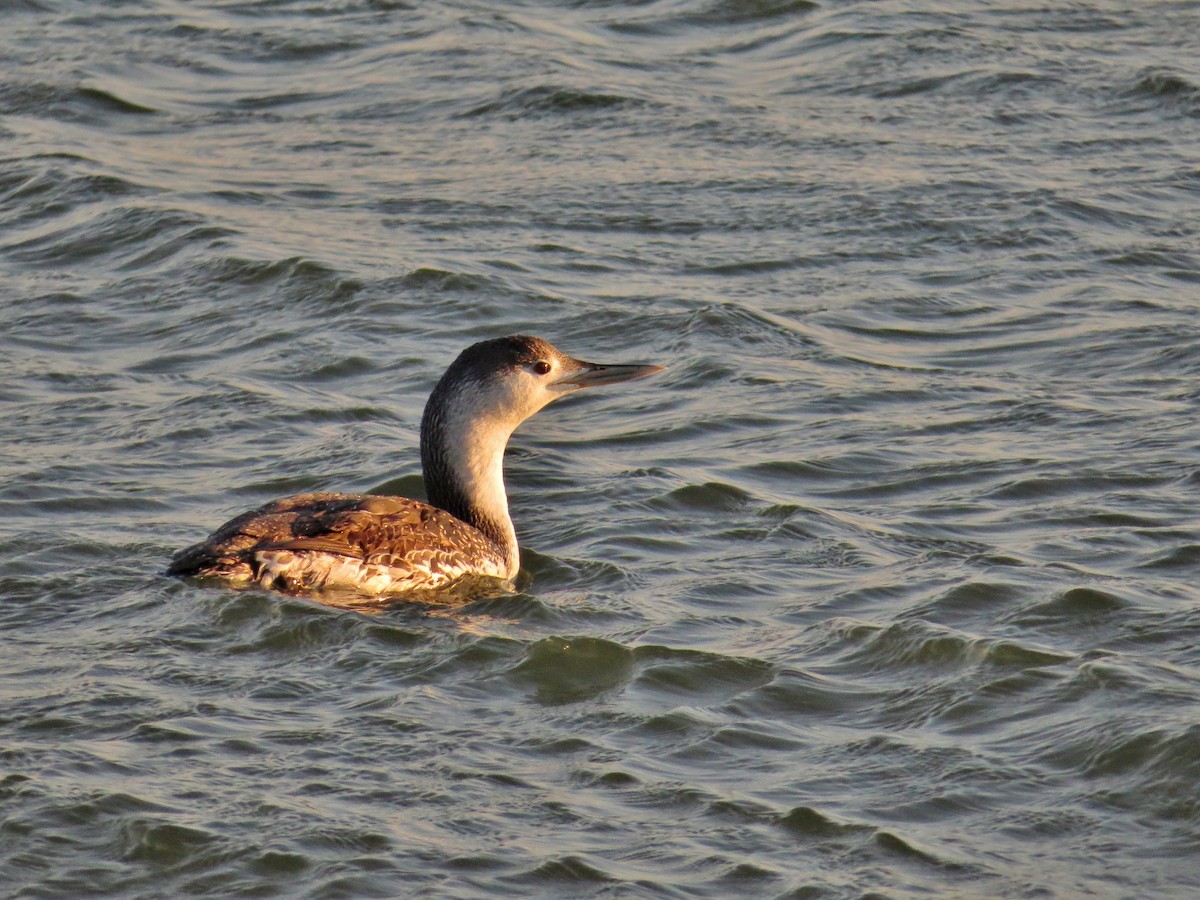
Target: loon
[384, 546]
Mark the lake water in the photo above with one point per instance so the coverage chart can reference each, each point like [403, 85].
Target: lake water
[887, 587]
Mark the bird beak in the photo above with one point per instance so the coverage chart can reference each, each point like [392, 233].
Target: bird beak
[588, 374]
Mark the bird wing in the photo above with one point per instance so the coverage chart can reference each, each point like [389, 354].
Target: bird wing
[390, 532]
[379, 530]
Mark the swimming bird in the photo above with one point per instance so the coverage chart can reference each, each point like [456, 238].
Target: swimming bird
[377, 545]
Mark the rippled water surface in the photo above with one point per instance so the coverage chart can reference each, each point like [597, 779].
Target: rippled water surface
[888, 586]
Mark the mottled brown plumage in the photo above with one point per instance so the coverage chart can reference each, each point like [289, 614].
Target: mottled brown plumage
[378, 545]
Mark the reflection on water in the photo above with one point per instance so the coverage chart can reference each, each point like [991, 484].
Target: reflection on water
[884, 586]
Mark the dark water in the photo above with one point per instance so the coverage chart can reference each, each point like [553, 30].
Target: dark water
[888, 586]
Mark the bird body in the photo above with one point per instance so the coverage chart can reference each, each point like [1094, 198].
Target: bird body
[388, 546]
[366, 543]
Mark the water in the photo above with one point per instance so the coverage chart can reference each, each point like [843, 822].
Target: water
[886, 587]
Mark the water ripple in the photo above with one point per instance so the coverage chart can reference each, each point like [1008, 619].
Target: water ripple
[892, 565]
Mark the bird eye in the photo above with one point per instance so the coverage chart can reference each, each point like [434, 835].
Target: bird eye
[541, 367]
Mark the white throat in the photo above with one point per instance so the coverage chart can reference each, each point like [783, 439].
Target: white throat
[464, 433]
[474, 455]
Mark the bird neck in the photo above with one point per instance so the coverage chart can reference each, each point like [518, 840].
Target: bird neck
[462, 455]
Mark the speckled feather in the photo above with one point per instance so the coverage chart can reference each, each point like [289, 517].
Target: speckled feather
[364, 543]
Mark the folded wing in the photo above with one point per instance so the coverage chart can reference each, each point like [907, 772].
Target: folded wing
[365, 543]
